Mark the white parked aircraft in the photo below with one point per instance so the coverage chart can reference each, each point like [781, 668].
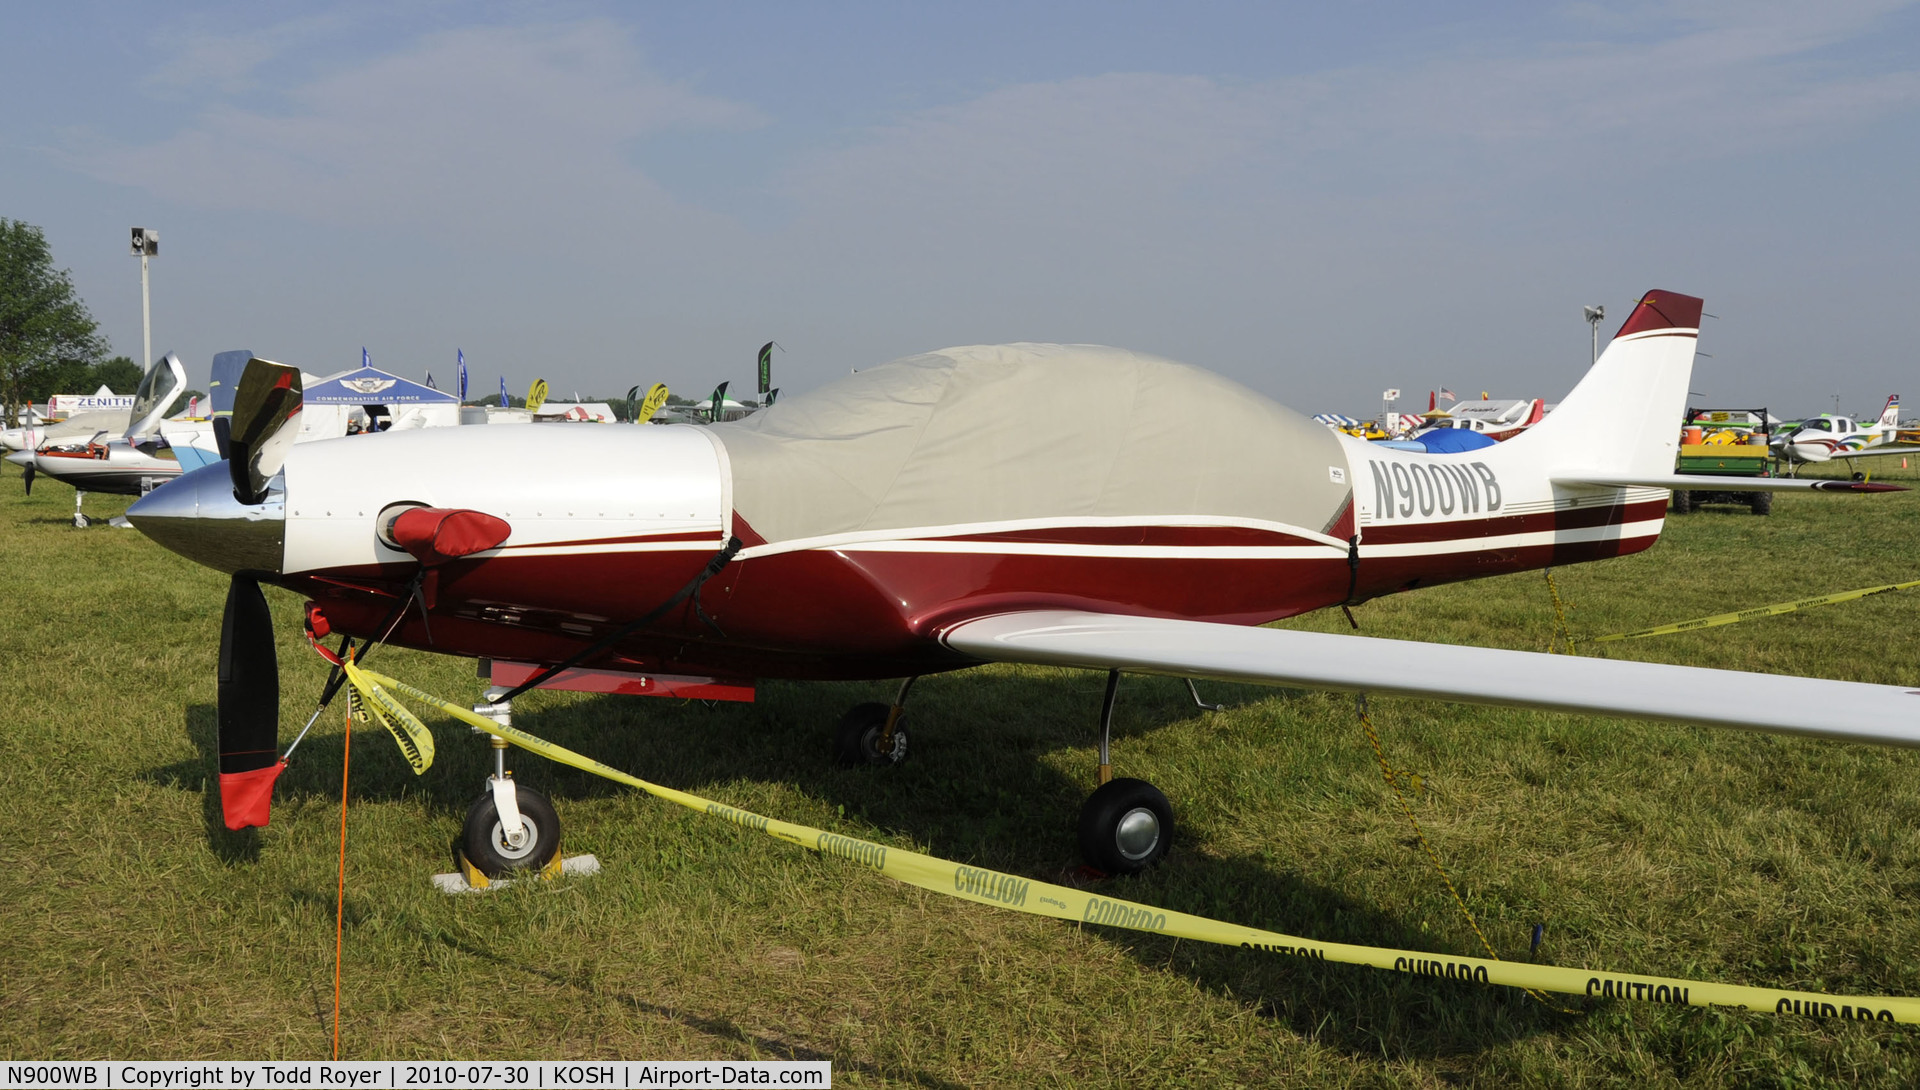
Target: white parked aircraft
[1829, 436]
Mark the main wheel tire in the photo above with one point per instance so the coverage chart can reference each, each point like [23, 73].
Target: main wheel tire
[1682, 502]
[485, 842]
[1763, 503]
[1125, 827]
[857, 740]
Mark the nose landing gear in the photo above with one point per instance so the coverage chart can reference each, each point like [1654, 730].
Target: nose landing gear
[510, 830]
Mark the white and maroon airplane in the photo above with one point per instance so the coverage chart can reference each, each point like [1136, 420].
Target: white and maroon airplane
[935, 513]
[1826, 437]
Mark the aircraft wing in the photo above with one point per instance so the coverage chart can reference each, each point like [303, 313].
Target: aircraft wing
[1684, 481]
[1852, 711]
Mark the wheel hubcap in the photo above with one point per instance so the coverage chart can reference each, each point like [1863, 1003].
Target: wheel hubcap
[877, 738]
[508, 849]
[1138, 833]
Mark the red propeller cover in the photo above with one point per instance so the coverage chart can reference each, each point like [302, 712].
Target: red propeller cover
[246, 798]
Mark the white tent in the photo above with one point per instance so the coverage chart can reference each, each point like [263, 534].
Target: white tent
[366, 397]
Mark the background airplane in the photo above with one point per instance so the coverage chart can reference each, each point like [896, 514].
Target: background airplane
[933, 514]
[1829, 436]
[144, 456]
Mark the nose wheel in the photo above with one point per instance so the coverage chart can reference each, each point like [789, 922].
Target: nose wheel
[496, 851]
[510, 830]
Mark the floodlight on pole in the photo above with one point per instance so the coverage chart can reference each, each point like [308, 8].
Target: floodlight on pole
[146, 244]
[1594, 317]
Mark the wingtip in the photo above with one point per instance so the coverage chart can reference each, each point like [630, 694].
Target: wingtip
[1859, 486]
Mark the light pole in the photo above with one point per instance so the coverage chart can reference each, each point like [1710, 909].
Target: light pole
[1594, 315]
[146, 244]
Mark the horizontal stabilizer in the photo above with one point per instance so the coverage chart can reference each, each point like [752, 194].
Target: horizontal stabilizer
[1852, 711]
[1680, 482]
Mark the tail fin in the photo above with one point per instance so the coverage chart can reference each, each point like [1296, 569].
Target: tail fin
[1890, 416]
[1624, 416]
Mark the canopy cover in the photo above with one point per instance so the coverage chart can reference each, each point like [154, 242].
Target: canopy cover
[1017, 432]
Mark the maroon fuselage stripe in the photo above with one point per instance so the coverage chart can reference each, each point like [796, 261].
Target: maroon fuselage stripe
[854, 613]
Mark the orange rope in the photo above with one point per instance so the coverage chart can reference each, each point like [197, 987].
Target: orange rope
[340, 902]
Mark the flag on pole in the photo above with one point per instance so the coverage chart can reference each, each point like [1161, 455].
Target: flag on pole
[766, 367]
[504, 403]
[364, 360]
[656, 397]
[719, 399]
[462, 357]
[1448, 394]
[430, 384]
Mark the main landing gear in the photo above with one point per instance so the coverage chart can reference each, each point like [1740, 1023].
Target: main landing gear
[1126, 825]
[873, 733]
[510, 830]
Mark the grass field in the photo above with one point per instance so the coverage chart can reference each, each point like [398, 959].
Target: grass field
[137, 927]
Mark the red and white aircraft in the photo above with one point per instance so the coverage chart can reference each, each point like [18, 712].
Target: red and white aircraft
[933, 514]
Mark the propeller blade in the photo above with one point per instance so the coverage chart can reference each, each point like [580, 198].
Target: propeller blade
[249, 708]
[27, 477]
[266, 418]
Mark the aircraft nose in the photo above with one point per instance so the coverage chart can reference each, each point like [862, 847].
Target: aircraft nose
[196, 516]
[21, 457]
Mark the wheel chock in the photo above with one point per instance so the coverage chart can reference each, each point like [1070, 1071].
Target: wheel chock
[468, 878]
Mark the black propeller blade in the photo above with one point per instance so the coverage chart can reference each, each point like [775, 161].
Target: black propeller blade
[27, 477]
[266, 421]
[249, 689]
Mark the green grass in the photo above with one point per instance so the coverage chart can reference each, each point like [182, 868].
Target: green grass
[137, 927]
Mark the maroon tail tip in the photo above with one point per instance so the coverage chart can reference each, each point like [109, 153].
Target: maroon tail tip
[1663, 310]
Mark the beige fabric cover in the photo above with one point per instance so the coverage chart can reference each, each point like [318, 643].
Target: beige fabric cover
[993, 433]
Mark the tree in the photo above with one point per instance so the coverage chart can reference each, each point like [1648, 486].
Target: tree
[119, 374]
[44, 328]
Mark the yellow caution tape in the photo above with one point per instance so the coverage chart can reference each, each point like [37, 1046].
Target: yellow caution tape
[991, 887]
[412, 736]
[1757, 611]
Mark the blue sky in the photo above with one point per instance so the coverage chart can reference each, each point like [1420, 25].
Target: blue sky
[1318, 200]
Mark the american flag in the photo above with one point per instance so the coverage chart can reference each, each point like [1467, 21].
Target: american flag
[1448, 394]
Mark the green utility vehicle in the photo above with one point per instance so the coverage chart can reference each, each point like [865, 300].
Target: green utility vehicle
[1730, 443]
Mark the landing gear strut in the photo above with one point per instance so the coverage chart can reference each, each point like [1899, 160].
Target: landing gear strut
[509, 829]
[1126, 825]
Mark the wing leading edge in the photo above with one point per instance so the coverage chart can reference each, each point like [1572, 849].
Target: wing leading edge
[1852, 711]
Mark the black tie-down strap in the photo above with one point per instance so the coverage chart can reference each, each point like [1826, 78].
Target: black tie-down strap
[720, 560]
